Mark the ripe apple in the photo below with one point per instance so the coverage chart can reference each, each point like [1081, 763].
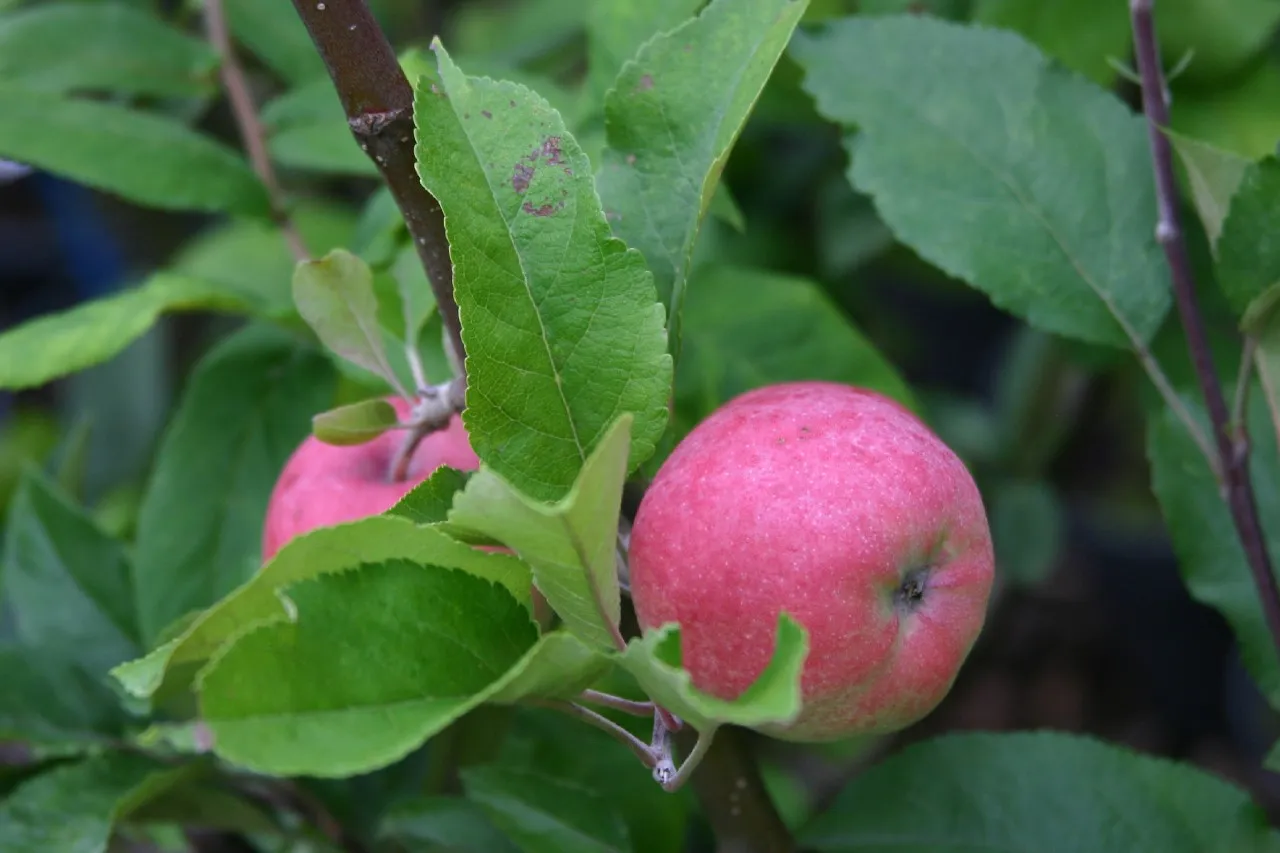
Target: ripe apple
[838, 506]
[323, 484]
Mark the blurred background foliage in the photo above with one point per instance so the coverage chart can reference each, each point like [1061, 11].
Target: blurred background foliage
[1092, 630]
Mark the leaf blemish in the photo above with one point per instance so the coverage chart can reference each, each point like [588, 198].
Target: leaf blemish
[542, 209]
[486, 114]
[520, 177]
[645, 84]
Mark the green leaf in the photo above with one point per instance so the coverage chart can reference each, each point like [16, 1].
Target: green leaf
[751, 328]
[68, 341]
[545, 814]
[1014, 176]
[374, 662]
[1210, 557]
[772, 700]
[560, 666]
[102, 47]
[1235, 115]
[51, 700]
[320, 552]
[355, 423]
[73, 808]
[991, 792]
[551, 304]
[245, 409]
[429, 501]
[335, 296]
[1249, 249]
[616, 29]
[417, 299]
[1220, 45]
[321, 147]
[313, 102]
[1081, 35]
[69, 585]
[672, 119]
[145, 158]
[1026, 526]
[450, 822]
[571, 545]
[1214, 175]
[277, 35]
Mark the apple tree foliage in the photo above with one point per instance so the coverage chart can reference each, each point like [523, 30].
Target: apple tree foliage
[389, 674]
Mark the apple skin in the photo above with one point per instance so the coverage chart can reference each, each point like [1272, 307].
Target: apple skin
[323, 484]
[840, 507]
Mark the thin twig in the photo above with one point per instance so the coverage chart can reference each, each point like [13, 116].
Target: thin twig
[641, 749]
[1240, 399]
[379, 105]
[617, 703]
[1231, 441]
[252, 133]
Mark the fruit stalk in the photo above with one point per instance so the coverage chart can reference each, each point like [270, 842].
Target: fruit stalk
[1232, 442]
[378, 101]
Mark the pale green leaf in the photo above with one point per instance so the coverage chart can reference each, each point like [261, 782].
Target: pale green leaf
[355, 423]
[672, 119]
[560, 666]
[1249, 249]
[370, 664]
[993, 792]
[1214, 176]
[560, 322]
[417, 299]
[1081, 34]
[772, 700]
[547, 814]
[1236, 114]
[571, 545]
[143, 157]
[1220, 44]
[245, 409]
[1013, 175]
[103, 47]
[616, 29]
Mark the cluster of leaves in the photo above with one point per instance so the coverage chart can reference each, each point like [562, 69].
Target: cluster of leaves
[573, 216]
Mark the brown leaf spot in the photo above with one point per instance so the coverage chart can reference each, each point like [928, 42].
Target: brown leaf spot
[520, 177]
[486, 114]
[631, 159]
[645, 84]
[542, 209]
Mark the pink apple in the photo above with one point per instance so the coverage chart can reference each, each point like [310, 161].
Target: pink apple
[838, 506]
[323, 484]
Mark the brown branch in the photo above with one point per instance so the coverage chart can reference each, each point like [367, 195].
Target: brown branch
[1230, 439]
[251, 130]
[379, 104]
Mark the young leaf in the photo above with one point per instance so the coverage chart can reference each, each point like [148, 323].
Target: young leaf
[672, 118]
[1215, 176]
[245, 409]
[1083, 36]
[50, 699]
[547, 814]
[335, 296]
[571, 545]
[320, 552]
[69, 585]
[989, 792]
[559, 319]
[103, 47]
[147, 159]
[1249, 249]
[277, 35]
[450, 822]
[68, 341]
[1210, 557]
[74, 807]
[306, 696]
[773, 699]
[429, 501]
[355, 423]
[616, 29]
[417, 299]
[1015, 176]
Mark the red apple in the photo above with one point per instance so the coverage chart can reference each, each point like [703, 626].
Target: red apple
[838, 506]
[323, 484]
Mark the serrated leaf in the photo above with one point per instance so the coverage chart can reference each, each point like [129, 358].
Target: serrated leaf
[69, 585]
[1082, 36]
[546, 814]
[672, 119]
[51, 700]
[1015, 176]
[68, 341]
[102, 47]
[335, 296]
[989, 792]
[559, 319]
[1214, 175]
[245, 409]
[355, 423]
[429, 501]
[616, 29]
[308, 696]
[560, 666]
[275, 33]
[1249, 249]
[752, 328]
[320, 552]
[570, 545]
[1210, 557]
[773, 699]
[73, 808]
[143, 157]
[452, 822]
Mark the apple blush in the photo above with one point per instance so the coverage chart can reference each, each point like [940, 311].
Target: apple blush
[838, 506]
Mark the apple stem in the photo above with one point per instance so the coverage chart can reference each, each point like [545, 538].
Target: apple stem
[435, 407]
[648, 756]
[617, 703]
[706, 737]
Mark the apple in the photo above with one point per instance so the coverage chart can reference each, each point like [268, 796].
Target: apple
[840, 507]
[323, 484]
